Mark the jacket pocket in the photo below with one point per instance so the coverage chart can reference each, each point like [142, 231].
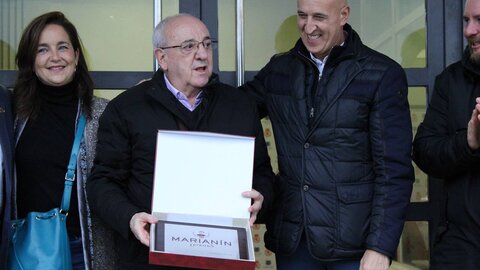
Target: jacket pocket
[353, 211]
[275, 221]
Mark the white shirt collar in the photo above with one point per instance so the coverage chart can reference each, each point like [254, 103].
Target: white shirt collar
[321, 63]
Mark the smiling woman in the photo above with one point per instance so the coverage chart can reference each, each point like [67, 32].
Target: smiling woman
[52, 92]
[56, 60]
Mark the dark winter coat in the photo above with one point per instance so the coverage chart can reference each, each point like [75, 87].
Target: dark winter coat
[6, 182]
[441, 149]
[344, 146]
[121, 182]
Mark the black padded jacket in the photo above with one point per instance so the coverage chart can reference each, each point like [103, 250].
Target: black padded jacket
[344, 150]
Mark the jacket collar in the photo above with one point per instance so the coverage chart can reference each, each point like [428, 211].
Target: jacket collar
[350, 48]
[338, 82]
[158, 91]
[471, 68]
[159, 81]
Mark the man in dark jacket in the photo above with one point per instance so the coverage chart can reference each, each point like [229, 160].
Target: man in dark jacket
[342, 128]
[6, 172]
[184, 95]
[447, 146]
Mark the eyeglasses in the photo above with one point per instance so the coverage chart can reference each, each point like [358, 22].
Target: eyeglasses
[192, 45]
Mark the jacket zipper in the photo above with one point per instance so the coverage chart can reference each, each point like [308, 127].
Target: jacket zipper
[311, 109]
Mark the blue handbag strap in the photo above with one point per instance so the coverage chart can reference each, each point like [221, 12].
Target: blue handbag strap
[70, 175]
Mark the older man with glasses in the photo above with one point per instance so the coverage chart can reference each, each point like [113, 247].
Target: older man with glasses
[183, 95]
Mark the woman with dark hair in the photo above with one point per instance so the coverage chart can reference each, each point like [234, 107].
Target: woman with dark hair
[53, 88]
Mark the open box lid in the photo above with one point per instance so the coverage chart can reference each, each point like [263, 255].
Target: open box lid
[202, 173]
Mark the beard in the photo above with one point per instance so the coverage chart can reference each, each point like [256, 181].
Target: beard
[474, 56]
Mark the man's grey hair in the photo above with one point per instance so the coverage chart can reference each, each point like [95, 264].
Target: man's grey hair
[159, 38]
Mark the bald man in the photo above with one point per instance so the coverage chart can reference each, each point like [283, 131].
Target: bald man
[342, 129]
[447, 146]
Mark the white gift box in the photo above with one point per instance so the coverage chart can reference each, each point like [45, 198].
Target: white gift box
[203, 218]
